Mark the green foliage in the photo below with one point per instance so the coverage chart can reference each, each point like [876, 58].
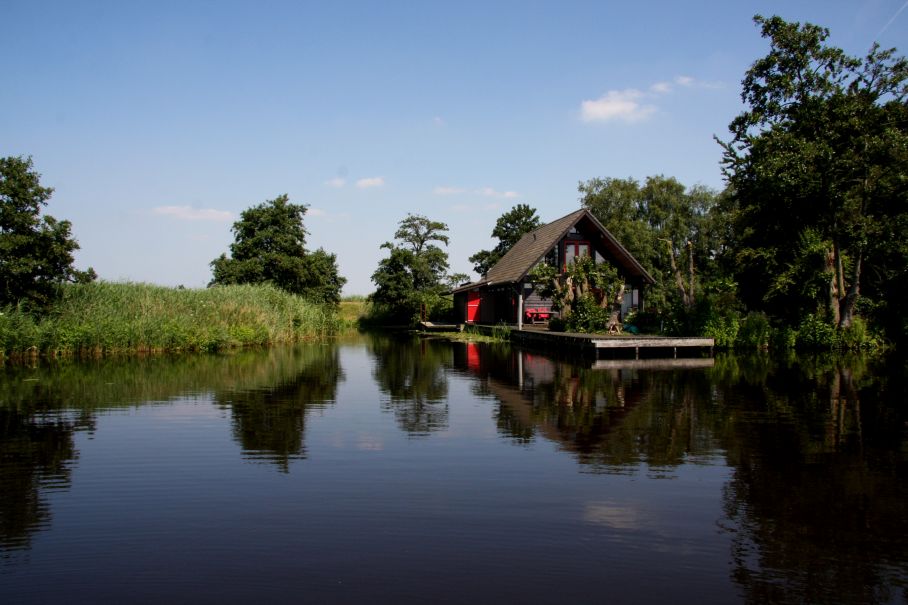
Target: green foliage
[723, 328]
[509, 228]
[587, 293]
[102, 318]
[816, 332]
[859, 336]
[36, 253]
[816, 167]
[587, 316]
[754, 331]
[269, 247]
[667, 227]
[411, 279]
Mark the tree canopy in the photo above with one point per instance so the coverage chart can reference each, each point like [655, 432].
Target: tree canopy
[269, 246]
[412, 277]
[36, 252]
[670, 229]
[509, 228]
[817, 166]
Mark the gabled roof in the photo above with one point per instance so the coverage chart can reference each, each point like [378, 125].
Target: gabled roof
[533, 246]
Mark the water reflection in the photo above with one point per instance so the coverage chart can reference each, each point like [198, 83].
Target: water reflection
[818, 504]
[809, 457]
[269, 421]
[42, 408]
[411, 374]
[612, 416]
[36, 452]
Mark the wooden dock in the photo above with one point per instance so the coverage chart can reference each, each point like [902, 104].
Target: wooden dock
[603, 345]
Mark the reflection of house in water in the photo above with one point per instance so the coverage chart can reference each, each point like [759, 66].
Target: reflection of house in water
[604, 414]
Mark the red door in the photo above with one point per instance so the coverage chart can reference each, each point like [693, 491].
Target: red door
[472, 306]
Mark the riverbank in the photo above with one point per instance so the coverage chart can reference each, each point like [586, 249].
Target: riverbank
[111, 318]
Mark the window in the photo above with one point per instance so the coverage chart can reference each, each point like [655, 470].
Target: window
[574, 249]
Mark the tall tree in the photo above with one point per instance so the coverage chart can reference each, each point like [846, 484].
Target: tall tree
[412, 277]
[670, 230]
[36, 252]
[269, 246]
[509, 228]
[818, 157]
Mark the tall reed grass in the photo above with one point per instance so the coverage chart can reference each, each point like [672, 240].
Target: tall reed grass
[104, 318]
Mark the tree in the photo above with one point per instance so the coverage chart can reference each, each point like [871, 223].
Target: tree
[818, 158]
[509, 228]
[270, 247]
[412, 277]
[588, 293]
[36, 253]
[669, 229]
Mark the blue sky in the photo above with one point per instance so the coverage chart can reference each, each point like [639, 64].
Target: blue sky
[158, 123]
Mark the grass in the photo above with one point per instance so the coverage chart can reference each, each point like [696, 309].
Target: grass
[108, 318]
[352, 309]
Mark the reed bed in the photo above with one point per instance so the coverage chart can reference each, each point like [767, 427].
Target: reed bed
[108, 318]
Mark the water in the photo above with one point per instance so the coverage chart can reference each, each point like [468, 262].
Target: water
[396, 470]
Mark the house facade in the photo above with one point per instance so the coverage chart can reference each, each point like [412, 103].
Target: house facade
[506, 293]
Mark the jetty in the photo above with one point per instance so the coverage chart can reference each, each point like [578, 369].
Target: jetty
[608, 345]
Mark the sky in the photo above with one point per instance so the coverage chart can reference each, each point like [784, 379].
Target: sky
[158, 123]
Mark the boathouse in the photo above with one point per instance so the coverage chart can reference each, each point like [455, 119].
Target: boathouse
[506, 294]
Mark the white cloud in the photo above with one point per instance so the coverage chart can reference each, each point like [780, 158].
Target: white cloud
[375, 181]
[684, 81]
[632, 105]
[689, 82]
[438, 121]
[188, 213]
[336, 182]
[448, 190]
[661, 88]
[622, 105]
[489, 192]
[315, 212]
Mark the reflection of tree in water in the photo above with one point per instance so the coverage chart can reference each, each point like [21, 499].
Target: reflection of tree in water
[43, 407]
[36, 451]
[269, 421]
[818, 505]
[411, 373]
[818, 501]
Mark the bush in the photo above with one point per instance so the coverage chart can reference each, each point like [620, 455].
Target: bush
[858, 335]
[723, 329]
[754, 331]
[817, 333]
[557, 324]
[587, 316]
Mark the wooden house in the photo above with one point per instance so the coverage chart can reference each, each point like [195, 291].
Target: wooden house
[506, 293]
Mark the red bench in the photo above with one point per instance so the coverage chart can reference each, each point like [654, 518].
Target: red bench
[533, 314]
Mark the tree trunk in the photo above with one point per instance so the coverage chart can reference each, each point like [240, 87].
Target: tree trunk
[679, 280]
[831, 267]
[690, 274]
[846, 308]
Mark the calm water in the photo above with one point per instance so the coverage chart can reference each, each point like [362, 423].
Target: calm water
[398, 470]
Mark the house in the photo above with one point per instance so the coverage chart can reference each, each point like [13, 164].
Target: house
[506, 292]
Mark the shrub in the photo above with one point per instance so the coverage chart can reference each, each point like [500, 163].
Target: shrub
[754, 331]
[817, 333]
[723, 329]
